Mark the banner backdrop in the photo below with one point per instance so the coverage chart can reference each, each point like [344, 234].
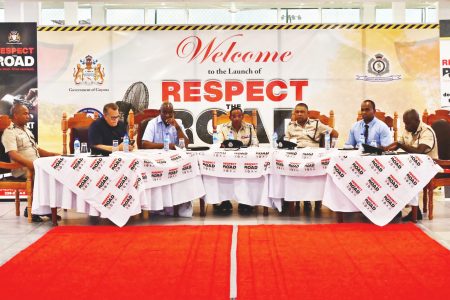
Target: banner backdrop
[270, 68]
[18, 74]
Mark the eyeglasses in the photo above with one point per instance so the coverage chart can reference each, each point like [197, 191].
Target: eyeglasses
[114, 117]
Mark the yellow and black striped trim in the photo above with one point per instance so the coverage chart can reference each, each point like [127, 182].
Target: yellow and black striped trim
[236, 27]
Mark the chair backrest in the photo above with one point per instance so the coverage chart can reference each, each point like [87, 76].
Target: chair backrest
[79, 127]
[440, 114]
[4, 123]
[141, 120]
[315, 114]
[224, 118]
[388, 120]
[442, 130]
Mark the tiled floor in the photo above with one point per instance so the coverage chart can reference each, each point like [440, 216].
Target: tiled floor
[16, 233]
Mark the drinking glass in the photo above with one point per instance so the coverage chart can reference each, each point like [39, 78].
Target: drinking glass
[115, 146]
[181, 144]
[84, 148]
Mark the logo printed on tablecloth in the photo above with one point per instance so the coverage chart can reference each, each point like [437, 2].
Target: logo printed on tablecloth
[127, 201]
[122, 183]
[148, 163]
[411, 180]
[370, 204]
[415, 161]
[137, 183]
[173, 172]
[144, 177]
[377, 166]
[157, 175]
[175, 157]
[310, 166]
[240, 154]
[396, 163]
[389, 202]
[161, 161]
[266, 165]
[116, 164]
[343, 157]
[325, 162]
[109, 201]
[229, 167]
[392, 182]
[373, 185]
[307, 155]
[357, 169]
[339, 171]
[58, 164]
[294, 166]
[187, 168]
[209, 165]
[84, 182]
[279, 164]
[354, 188]
[250, 167]
[262, 154]
[103, 182]
[290, 154]
[77, 164]
[97, 164]
[133, 165]
[220, 154]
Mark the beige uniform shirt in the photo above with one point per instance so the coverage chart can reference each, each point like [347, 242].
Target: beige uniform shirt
[22, 141]
[244, 134]
[424, 135]
[308, 135]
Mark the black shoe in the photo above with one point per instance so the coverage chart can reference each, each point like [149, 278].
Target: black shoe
[224, 208]
[318, 205]
[244, 209]
[34, 218]
[408, 217]
[307, 205]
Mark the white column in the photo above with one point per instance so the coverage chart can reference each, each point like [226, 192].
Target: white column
[398, 12]
[444, 10]
[13, 11]
[368, 13]
[71, 13]
[32, 12]
[98, 14]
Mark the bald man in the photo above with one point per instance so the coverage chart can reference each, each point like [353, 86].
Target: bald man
[157, 128]
[418, 138]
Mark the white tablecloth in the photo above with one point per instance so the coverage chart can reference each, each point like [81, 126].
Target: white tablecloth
[117, 187]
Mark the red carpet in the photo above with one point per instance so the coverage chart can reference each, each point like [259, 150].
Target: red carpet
[153, 262]
[340, 261]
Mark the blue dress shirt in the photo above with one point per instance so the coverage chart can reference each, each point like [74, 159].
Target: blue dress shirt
[156, 129]
[378, 131]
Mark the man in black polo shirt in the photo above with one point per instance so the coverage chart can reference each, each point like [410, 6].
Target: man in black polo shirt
[105, 130]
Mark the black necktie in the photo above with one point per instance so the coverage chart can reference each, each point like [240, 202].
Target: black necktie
[366, 133]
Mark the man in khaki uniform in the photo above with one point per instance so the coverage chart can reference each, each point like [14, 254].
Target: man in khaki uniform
[307, 131]
[20, 144]
[418, 138]
[241, 130]
[245, 133]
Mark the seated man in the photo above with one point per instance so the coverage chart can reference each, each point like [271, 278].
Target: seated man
[307, 132]
[369, 128]
[104, 131]
[153, 137]
[418, 138]
[21, 146]
[245, 133]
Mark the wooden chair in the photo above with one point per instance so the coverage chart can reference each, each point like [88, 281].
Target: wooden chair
[79, 126]
[10, 182]
[390, 122]
[442, 131]
[440, 114]
[141, 120]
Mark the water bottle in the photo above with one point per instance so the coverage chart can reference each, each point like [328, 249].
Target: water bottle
[215, 138]
[76, 147]
[327, 140]
[274, 140]
[166, 141]
[126, 143]
[230, 135]
[361, 141]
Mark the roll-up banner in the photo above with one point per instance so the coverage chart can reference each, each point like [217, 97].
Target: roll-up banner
[269, 68]
[18, 73]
